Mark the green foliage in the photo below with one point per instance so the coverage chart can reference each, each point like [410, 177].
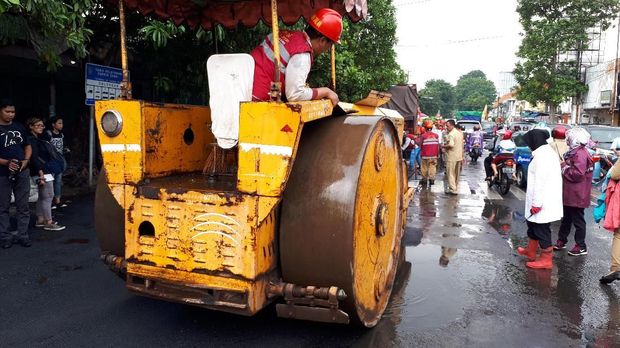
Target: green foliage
[50, 26]
[437, 95]
[553, 27]
[473, 91]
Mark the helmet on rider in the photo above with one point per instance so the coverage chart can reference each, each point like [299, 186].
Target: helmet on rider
[476, 127]
[559, 132]
[327, 22]
[428, 124]
[507, 135]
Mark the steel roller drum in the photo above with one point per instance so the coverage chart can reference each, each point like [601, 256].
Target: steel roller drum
[341, 222]
[109, 219]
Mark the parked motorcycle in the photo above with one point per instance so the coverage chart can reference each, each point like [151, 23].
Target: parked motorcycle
[505, 171]
[475, 152]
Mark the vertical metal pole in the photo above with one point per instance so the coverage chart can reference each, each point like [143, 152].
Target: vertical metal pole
[614, 104]
[91, 144]
[276, 85]
[333, 67]
[125, 85]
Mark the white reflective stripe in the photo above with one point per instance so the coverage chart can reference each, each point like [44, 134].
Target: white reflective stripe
[268, 149]
[120, 147]
[284, 55]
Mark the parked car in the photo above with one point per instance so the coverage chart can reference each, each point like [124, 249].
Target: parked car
[603, 137]
[488, 129]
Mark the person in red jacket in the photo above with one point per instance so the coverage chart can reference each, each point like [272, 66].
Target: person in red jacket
[297, 52]
[429, 153]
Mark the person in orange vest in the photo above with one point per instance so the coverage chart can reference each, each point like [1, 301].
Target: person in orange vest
[429, 154]
[297, 52]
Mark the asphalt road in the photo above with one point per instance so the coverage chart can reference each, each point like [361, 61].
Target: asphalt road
[462, 285]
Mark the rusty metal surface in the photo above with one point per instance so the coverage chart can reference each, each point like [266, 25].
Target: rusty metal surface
[318, 211]
[109, 219]
[180, 184]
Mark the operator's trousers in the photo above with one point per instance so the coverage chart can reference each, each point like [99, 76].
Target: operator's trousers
[429, 168]
[540, 232]
[453, 170]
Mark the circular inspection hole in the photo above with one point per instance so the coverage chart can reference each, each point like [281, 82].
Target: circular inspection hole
[188, 136]
[146, 229]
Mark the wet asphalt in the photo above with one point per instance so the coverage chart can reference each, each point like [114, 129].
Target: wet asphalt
[462, 285]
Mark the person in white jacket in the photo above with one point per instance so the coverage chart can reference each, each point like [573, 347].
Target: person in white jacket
[543, 199]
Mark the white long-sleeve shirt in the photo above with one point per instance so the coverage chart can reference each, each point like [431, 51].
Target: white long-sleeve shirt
[544, 186]
[297, 72]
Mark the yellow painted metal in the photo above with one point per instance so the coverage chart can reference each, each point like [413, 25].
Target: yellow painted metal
[268, 138]
[378, 219]
[151, 143]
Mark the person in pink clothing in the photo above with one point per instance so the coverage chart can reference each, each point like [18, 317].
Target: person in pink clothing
[577, 169]
[612, 222]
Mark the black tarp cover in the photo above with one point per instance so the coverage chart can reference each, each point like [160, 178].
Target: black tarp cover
[404, 100]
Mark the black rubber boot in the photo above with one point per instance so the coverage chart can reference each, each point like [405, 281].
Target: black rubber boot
[610, 277]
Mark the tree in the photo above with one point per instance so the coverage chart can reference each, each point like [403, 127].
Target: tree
[552, 28]
[51, 27]
[473, 91]
[437, 95]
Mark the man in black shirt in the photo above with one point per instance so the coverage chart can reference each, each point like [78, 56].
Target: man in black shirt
[15, 152]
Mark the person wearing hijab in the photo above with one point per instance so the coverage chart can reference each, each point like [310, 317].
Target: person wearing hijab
[577, 169]
[543, 199]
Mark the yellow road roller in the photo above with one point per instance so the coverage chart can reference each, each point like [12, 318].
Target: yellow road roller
[306, 209]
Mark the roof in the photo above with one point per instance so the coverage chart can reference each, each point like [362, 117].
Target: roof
[231, 13]
[404, 100]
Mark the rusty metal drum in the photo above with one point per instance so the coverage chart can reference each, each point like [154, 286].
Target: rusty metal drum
[341, 220]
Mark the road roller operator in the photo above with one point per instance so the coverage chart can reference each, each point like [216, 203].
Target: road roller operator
[297, 52]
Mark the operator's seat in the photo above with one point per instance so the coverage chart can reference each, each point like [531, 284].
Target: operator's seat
[231, 77]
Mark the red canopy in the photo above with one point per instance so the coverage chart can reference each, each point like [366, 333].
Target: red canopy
[230, 13]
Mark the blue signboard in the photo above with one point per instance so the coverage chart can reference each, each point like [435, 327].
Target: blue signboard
[102, 83]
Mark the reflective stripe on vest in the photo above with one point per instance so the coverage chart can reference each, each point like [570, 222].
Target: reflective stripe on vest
[268, 49]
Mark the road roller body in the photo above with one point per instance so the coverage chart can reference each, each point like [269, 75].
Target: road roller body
[307, 209]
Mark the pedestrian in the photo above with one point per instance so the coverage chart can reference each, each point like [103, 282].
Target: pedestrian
[407, 146]
[45, 164]
[559, 141]
[453, 146]
[56, 137]
[577, 169]
[429, 154]
[15, 152]
[298, 49]
[543, 199]
[612, 222]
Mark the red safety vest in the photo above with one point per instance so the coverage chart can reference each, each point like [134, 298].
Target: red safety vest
[291, 43]
[430, 145]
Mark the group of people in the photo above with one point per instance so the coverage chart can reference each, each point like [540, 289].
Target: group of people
[29, 155]
[432, 144]
[559, 185]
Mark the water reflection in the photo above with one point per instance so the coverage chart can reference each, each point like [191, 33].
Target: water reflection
[446, 255]
[499, 217]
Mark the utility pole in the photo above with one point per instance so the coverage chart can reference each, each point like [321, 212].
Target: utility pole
[614, 103]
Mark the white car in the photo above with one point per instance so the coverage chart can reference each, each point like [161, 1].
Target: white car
[469, 125]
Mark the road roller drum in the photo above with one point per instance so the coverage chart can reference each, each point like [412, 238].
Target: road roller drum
[341, 221]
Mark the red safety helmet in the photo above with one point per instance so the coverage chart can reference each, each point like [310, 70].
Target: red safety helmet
[507, 135]
[559, 132]
[428, 124]
[327, 22]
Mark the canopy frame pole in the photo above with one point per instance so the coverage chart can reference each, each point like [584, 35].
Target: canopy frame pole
[125, 84]
[333, 66]
[276, 85]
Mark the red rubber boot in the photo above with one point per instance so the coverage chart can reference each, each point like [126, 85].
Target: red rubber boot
[545, 261]
[530, 250]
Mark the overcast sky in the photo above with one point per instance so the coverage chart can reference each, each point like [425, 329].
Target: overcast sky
[444, 39]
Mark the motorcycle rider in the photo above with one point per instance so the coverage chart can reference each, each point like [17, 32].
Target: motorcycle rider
[429, 153]
[503, 150]
[475, 138]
